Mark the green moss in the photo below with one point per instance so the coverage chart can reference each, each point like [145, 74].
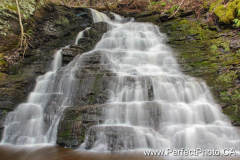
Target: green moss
[213, 5]
[233, 112]
[226, 14]
[62, 21]
[214, 47]
[80, 82]
[2, 61]
[225, 45]
[184, 21]
[226, 79]
[91, 99]
[11, 7]
[201, 58]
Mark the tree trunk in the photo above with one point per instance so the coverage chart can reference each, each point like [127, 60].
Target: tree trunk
[20, 23]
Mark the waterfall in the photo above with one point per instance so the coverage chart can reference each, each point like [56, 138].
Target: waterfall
[116, 16]
[98, 16]
[151, 104]
[80, 35]
[26, 124]
[36, 121]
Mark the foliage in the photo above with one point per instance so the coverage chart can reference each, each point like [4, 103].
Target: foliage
[237, 20]
[226, 12]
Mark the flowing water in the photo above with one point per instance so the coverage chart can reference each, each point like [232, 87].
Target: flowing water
[151, 104]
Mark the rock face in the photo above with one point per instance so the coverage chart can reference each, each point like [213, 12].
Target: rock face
[116, 137]
[94, 78]
[56, 27]
[76, 121]
[93, 35]
[87, 43]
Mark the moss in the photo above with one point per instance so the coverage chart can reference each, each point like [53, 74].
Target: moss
[153, 19]
[214, 47]
[225, 45]
[63, 21]
[11, 7]
[232, 95]
[202, 58]
[66, 134]
[213, 5]
[226, 14]
[80, 82]
[233, 112]
[2, 61]
[184, 21]
[226, 79]
[8, 11]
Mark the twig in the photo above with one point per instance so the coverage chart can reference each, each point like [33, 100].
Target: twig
[176, 10]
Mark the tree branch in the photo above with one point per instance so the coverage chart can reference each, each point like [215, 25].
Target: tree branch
[176, 10]
[20, 23]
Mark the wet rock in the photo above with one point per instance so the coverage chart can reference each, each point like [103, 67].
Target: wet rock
[21, 76]
[153, 18]
[111, 16]
[190, 38]
[69, 54]
[223, 51]
[235, 44]
[117, 137]
[125, 20]
[78, 121]
[185, 14]
[164, 17]
[75, 122]
[93, 35]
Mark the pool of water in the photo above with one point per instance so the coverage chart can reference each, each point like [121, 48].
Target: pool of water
[47, 152]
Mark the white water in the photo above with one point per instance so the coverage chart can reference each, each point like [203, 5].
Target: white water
[80, 35]
[98, 16]
[116, 16]
[152, 104]
[36, 121]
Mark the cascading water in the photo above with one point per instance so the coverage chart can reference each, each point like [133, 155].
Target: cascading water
[152, 104]
[80, 35]
[98, 16]
[36, 121]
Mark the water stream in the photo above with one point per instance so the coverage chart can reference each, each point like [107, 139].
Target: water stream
[152, 103]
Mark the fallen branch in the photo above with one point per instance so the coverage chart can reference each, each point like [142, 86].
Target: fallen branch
[177, 9]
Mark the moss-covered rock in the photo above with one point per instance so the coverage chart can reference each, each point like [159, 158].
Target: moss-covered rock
[18, 80]
[226, 13]
[209, 57]
[75, 122]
